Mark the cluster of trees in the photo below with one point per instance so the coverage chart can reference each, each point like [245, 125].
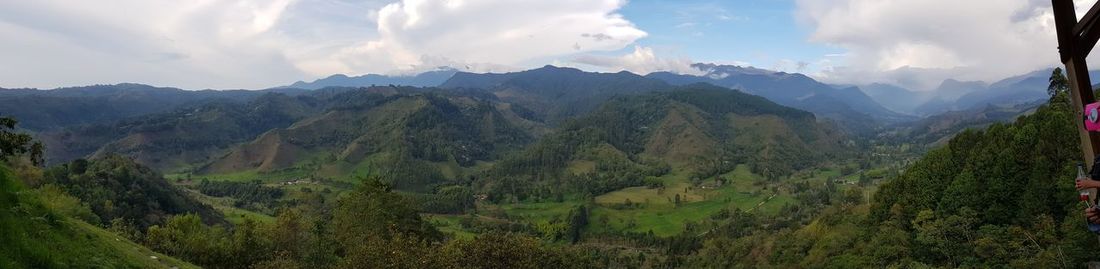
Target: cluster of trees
[448, 200]
[251, 195]
[114, 187]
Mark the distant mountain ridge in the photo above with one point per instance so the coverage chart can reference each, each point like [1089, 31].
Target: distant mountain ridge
[43, 110]
[849, 105]
[556, 93]
[940, 128]
[955, 95]
[426, 79]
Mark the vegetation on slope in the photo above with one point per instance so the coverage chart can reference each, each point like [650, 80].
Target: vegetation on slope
[43, 229]
[116, 188]
[994, 198]
[400, 138]
[182, 137]
[36, 235]
[631, 138]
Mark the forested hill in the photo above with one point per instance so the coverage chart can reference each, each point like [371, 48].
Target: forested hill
[116, 188]
[40, 229]
[700, 129]
[180, 137]
[402, 138]
[995, 198]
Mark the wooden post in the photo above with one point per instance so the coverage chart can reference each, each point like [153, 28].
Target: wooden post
[1073, 38]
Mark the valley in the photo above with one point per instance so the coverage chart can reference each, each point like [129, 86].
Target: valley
[535, 134]
[623, 170]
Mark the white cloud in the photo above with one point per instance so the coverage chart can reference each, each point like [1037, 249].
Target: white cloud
[642, 61]
[891, 41]
[487, 35]
[259, 43]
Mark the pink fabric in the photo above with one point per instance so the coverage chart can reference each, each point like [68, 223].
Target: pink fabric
[1092, 117]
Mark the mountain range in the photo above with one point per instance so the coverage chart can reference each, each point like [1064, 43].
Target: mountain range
[42, 110]
[425, 79]
[847, 104]
[955, 95]
[463, 129]
[467, 120]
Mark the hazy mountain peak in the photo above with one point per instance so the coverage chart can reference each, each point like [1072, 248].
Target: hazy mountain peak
[426, 79]
[952, 84]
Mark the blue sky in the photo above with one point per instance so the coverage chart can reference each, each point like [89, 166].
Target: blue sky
[262, 43]
[762, 33]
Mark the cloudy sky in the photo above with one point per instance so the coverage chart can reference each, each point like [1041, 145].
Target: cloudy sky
[222, 44]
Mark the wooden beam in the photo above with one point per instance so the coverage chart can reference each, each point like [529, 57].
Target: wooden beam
[1087, 30]
[1077, 71]
[1065, 20]
[1081, 93]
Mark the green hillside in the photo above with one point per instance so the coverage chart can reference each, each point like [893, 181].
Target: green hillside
[36, 236]
[994, 198]
[700, 130]
[411, 140]
[115, 187]
[180, 138]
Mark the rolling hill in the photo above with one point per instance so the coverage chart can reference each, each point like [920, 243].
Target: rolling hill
[700, 129]
[177, 139]
[404, 137]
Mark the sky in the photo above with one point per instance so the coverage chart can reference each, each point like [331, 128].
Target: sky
[254, 44]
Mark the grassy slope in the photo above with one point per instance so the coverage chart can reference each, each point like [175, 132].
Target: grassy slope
[33, 236]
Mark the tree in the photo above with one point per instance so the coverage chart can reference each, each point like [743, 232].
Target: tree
[1058, 90]
[578, 219]
[16, 144]
[373, 211]
[495, 250]
[290, 234]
